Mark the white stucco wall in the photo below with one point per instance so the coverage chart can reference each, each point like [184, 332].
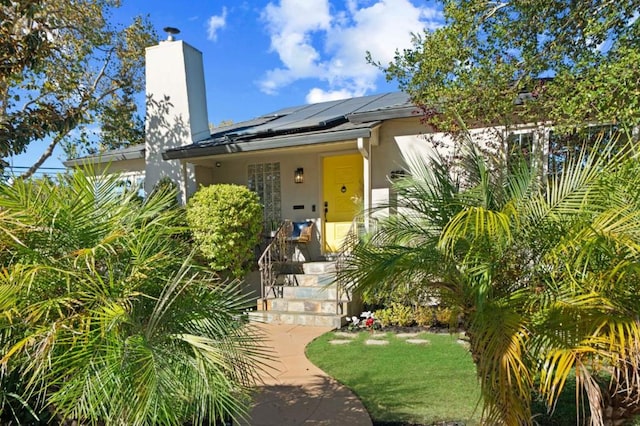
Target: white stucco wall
[136, 166]
[176, 111]
[400, 139]
[387, 156]
[307, 194]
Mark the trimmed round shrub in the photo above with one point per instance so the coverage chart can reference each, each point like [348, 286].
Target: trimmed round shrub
[226, 221]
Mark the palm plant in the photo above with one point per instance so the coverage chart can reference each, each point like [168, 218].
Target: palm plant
[542, 272]
[105, 315]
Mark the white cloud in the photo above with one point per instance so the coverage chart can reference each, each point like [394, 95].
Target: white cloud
[291, 25]
[215, 23]
[316, 39]
[293, 16]
[316, 95]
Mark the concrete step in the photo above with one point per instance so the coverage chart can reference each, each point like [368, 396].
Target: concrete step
[304, 305]
[306, 280]
[307, 298]
[322, 280]
[298, 318]
[313, 292]
[312, 268]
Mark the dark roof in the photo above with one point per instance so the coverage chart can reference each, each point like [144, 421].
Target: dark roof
[223, 145]
[302, 125]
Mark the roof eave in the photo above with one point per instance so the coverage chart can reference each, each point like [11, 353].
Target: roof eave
[105, 158]
[194, 151]
[385, 114]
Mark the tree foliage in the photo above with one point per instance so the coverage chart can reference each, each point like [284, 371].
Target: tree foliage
[577, 61]
[63, 69]
[543, 271]
[105, 318]
[226, 221]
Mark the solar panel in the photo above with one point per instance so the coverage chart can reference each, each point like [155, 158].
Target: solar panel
[324, 114]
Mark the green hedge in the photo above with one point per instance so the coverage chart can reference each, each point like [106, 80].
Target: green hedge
[226, 221]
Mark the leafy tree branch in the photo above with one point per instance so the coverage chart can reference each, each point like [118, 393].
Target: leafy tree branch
[64, 71]
[519, 61]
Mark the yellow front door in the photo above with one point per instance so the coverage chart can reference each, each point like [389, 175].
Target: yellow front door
[343, 193]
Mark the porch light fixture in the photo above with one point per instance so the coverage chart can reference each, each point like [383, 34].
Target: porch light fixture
[298, 176]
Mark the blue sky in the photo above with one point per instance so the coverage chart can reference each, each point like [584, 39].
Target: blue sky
[260, 56]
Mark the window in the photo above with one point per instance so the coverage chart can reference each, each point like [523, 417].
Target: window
[520, 147]
[562, 147]
[132, 181]
[264, 180]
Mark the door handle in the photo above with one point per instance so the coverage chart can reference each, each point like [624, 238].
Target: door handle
[326, 210]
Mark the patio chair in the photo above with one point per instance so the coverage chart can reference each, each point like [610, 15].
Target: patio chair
[300, 237]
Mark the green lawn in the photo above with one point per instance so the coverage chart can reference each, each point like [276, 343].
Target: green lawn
[423, 384]
[403, 382]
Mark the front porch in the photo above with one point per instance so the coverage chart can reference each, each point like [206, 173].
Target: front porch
[296, 289]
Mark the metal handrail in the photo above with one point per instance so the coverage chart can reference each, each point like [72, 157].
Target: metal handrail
[274, 252]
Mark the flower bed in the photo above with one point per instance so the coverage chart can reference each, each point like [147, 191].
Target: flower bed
[368, 321]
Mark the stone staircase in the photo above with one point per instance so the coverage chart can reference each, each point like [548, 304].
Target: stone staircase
[308, 298]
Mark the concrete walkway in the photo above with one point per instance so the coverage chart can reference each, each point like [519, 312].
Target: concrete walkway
[298, 393]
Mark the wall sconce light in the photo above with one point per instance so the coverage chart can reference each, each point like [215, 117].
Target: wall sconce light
[298, 176]
[218, 164]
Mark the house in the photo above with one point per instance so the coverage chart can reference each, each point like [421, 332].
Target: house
[323, 162]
